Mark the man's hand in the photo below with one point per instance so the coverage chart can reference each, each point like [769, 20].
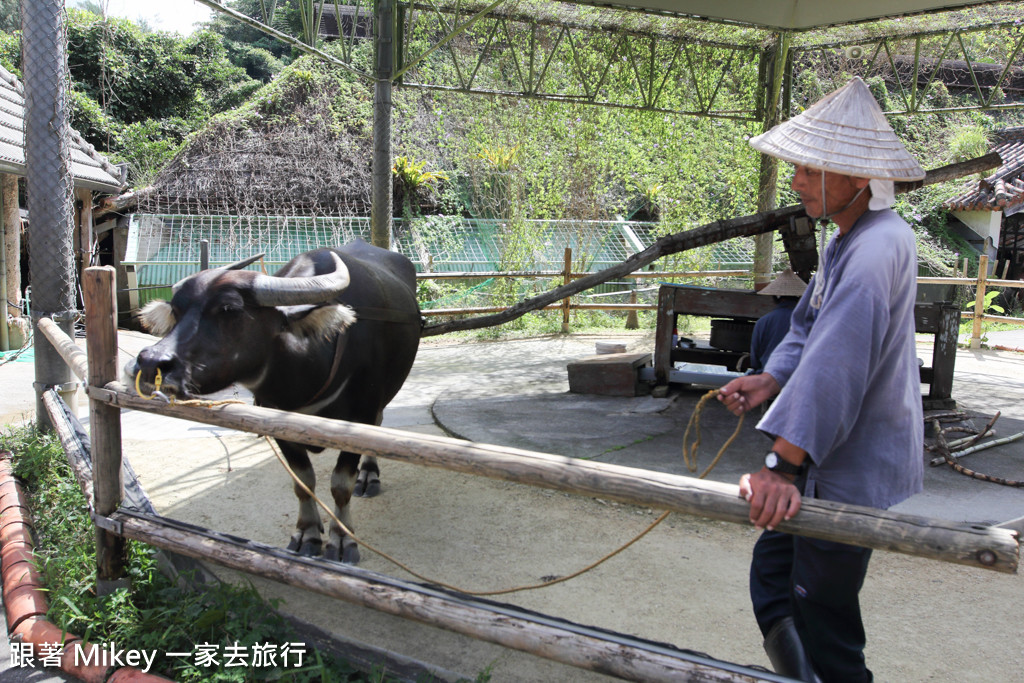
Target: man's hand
[749, 391]
[773, 498]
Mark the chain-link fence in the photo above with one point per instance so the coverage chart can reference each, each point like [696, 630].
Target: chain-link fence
[49, 182]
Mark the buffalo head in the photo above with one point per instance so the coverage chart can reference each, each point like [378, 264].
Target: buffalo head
[221, 326]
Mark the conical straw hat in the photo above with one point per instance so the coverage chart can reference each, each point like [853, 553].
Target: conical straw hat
[846, 132]
[787, 283]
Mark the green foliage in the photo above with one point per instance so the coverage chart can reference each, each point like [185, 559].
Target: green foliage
[989, 304]
[259, 63]
[156, 613]
[968, 142]
[10, 16]
[10, 52]
[148, 145]
[239, 35]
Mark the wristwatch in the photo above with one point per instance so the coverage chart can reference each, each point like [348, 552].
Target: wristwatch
[774, 462]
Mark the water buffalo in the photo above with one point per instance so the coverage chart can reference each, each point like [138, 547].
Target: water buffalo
[333, 333]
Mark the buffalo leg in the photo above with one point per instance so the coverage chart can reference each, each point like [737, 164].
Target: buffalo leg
[341, 545]
[307, 538]
[368, 481]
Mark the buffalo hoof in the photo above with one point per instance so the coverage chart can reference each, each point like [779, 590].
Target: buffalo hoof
[367, 485]
[310, 548]
[350, 555]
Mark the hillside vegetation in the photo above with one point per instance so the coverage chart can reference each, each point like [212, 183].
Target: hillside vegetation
[140, 96]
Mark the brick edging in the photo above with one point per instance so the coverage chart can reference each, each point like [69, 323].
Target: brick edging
[24, 596]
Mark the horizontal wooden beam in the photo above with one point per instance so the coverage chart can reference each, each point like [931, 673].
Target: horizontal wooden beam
[580, 646]
[968, 544]
[75, 357]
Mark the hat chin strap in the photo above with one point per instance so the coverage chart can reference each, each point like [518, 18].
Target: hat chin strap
[819, 279]
[825, 215]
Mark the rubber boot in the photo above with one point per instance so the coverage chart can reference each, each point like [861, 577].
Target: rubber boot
[786, 652]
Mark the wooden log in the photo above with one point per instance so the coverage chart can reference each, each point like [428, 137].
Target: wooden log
[123, 203]
[562, 641]
[72, 442]
[710, 233]
[952, 172]
[968, 544]
[105, 422]
[75, 357]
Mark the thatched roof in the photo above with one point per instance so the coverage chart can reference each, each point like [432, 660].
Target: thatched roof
[301, 146]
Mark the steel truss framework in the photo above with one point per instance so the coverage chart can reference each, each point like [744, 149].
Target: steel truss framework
[610, 58]
[539, 49]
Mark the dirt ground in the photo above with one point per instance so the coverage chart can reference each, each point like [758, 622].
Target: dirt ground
[685, 583]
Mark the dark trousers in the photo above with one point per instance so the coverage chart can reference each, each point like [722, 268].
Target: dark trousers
[817, 583]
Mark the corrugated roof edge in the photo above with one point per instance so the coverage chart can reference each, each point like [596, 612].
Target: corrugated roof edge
[114, 184]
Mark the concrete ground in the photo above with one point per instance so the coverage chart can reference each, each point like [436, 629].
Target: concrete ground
[514, 393]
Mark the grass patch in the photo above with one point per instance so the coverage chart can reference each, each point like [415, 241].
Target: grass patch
[250, 640]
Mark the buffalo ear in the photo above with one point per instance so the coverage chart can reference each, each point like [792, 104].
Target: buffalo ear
[158, 318]
[318, 321]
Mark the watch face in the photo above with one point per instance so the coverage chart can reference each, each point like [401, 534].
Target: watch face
[771, 460]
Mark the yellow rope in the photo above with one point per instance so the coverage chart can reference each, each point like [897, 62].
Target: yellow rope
[170, 400]
[694, 422]
[427, 579]
[690, 456]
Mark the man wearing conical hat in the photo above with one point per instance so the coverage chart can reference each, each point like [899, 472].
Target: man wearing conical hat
[771, 328]
[846, 423]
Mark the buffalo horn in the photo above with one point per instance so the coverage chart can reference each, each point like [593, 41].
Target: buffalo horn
[237, 265]
[268, 290]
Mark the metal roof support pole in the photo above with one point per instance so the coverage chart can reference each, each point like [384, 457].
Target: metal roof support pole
[777, 62]
[50, 189]
[381, 199]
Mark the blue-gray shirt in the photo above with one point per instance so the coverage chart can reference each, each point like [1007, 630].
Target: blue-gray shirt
[851, 392]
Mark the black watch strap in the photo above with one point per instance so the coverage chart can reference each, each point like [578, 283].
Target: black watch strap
[774, 462]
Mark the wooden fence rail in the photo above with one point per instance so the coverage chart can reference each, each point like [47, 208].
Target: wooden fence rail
[973, 545]
[969, 544]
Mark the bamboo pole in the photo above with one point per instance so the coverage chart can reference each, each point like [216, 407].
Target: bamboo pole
[75, 357]
[580, 646]
[72, 443]
[934, 538]
[979, 301]
[970, 281]
[105, 422]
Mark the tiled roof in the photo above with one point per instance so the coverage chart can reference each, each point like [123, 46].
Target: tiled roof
[91, 170]
[1003, 189]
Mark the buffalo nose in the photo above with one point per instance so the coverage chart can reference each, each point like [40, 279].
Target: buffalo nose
[153, 358]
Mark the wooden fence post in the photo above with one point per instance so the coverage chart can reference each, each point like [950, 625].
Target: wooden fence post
[979, 301]
[105, 422]
[567, 277]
